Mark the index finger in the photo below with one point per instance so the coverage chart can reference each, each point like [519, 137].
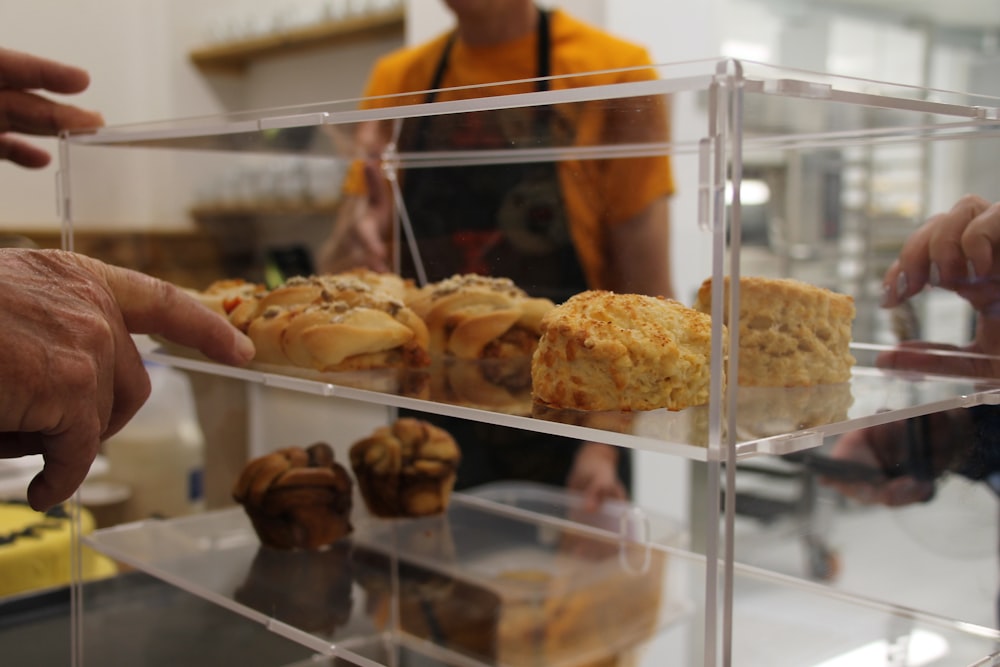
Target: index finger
[152, 306]
[27, 72]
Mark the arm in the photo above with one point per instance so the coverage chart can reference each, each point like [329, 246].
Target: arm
[639, 252]
[67, 350]
[25, 112]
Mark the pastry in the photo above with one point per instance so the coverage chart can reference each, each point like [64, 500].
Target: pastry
[500, 385]
[311, 590]
[792, 333]
[574, 604]
[296, 498]
[327, 323]
[479, 317]
[406, 469]
[605, 351]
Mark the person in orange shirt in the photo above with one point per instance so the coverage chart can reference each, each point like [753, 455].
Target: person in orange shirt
[554, 227]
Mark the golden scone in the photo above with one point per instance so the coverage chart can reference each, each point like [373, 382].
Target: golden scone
[792, 333]
[479, 317]
[296, 498]
[605, 351]
[406, 469]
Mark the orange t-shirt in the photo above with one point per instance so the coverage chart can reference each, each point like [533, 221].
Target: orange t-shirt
[598, 193]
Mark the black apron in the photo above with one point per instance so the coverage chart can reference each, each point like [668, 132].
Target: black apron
[502, 220]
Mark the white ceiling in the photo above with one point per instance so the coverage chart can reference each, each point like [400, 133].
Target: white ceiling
[957, 13]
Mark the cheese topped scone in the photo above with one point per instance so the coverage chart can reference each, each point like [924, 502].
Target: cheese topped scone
[605, 351]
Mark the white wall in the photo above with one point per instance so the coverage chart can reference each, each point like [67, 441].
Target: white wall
[137, 54]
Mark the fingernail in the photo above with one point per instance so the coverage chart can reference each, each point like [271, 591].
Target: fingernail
[934, 275]
[970, 269]
[902, 284]
[245, 347]
[886, 294]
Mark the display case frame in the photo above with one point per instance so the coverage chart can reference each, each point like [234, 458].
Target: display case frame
[837, 111]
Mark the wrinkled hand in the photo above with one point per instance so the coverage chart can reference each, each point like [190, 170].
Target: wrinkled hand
[595, 475]
[71, 373]
[23, 111]
[957, 251]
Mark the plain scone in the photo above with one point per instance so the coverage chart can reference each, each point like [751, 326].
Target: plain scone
[792, 333]
[605, 351]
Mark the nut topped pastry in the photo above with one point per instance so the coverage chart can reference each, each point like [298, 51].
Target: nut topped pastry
[406, 469]
[326, 323]
[605, 351]
[296, 498]
[470, 316]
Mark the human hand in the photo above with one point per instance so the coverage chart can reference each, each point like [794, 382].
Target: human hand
[71, 373]
[25, 112]
[880, 448]
[957, 251]
[360, 233]
[911, 454]
[595, 475]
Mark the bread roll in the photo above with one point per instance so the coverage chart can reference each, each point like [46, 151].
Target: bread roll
[792, 333]
[406, 469]
[325, 323]
[479, 317]
[605, 351]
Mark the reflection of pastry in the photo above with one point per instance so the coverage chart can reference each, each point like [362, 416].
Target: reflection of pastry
[792, 334]
[433, 605]
[310, 590]
[769, 411]
[406, 469]
[296, 498]
[479, 317]
[501, 385]
[762, 412]
[605, 351]
[580, 608]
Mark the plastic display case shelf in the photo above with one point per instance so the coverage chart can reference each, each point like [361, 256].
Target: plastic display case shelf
[517, 570]
[770, 420]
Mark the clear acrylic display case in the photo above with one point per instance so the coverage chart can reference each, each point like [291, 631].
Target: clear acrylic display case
[840, 151]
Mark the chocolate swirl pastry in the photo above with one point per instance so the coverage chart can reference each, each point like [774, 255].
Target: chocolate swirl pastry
[406, 469]
[297, 498]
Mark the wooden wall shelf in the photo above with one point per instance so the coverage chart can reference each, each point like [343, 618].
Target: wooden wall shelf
[234, 57]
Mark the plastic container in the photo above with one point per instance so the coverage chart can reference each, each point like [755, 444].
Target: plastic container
[519, 573]
[160, 453]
